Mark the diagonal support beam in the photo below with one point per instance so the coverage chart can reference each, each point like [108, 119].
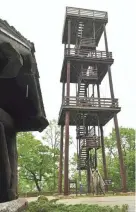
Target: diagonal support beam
[121, 160]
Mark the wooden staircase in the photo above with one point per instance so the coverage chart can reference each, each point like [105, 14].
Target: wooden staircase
[82, 158]
[80, 29]
[87, 142]
[82, 91]
[81, 131]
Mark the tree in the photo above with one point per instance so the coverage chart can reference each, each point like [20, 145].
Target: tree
[34, 159]
[39, 160]
[128, 147]
[127, 136]
[51, 138]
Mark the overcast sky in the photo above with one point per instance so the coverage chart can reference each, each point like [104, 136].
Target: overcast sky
[42, 22]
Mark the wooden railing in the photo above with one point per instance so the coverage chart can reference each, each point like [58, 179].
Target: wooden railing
[81, 131]
[89, 73]
[89, 42]
[90, 142]
[86, 13]
[87, 53]
[90, 102]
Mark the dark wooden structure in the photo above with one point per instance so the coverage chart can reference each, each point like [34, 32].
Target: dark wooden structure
[21, 104]
[73, 187]
[86, 66]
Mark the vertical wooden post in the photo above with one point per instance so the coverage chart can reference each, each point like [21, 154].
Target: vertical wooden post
[98, 91]
[88, 173]
[88, 168]
[102, 143]
[61, 148]
[94, 29]
[67, 119]
[63, 91]
[98, 94]
[103, 156]
[66, 164]
[79, 146]
[61, 161]
[93, 90]
[122, 167]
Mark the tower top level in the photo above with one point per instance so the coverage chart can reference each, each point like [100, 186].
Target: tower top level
[84, 20]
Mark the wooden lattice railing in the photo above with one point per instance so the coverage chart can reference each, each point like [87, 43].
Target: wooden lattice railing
[89, 42]
[90, 102]
[87, 53]
[90, 142]
[86, 13]
[89, 73]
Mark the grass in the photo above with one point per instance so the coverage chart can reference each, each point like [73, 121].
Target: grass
[44, 205]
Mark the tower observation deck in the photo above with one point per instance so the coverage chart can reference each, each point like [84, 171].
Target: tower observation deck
[86, 66]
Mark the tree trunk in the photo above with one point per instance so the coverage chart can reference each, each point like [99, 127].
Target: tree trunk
[36, 183]
[54, 173]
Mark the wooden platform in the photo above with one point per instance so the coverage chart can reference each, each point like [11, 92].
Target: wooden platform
[105, 108]
[85, 58]
[87, 17]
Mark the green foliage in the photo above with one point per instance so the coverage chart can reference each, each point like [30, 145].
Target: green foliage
[34, 160]
[128, 147]
[42, 198]
[53, 200]
[51, 137]
[38, 160]
[112, 159]
[47, 206]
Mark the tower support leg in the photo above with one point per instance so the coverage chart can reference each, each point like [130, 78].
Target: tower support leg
[121, 160]
[60, 162]
[88, 175]
[104, 157]
[122, 167]
[67, 119]
[66, 164]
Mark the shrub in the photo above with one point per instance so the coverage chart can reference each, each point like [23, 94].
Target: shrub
[42, 197]
[49, 206]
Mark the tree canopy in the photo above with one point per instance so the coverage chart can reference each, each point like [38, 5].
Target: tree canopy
[38, 160]
[128, 147]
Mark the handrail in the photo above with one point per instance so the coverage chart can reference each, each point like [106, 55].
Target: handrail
[87, 38]
[86, 13]
[90, 141]
[74, 52]
[89, 102]
[84, 41]
[89, 73]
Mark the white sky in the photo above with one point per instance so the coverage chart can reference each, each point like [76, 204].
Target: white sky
[42, 22]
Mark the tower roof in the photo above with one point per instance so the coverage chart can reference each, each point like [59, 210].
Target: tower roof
[86, 18]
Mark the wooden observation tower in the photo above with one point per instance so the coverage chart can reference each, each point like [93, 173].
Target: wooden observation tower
[86, 66]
